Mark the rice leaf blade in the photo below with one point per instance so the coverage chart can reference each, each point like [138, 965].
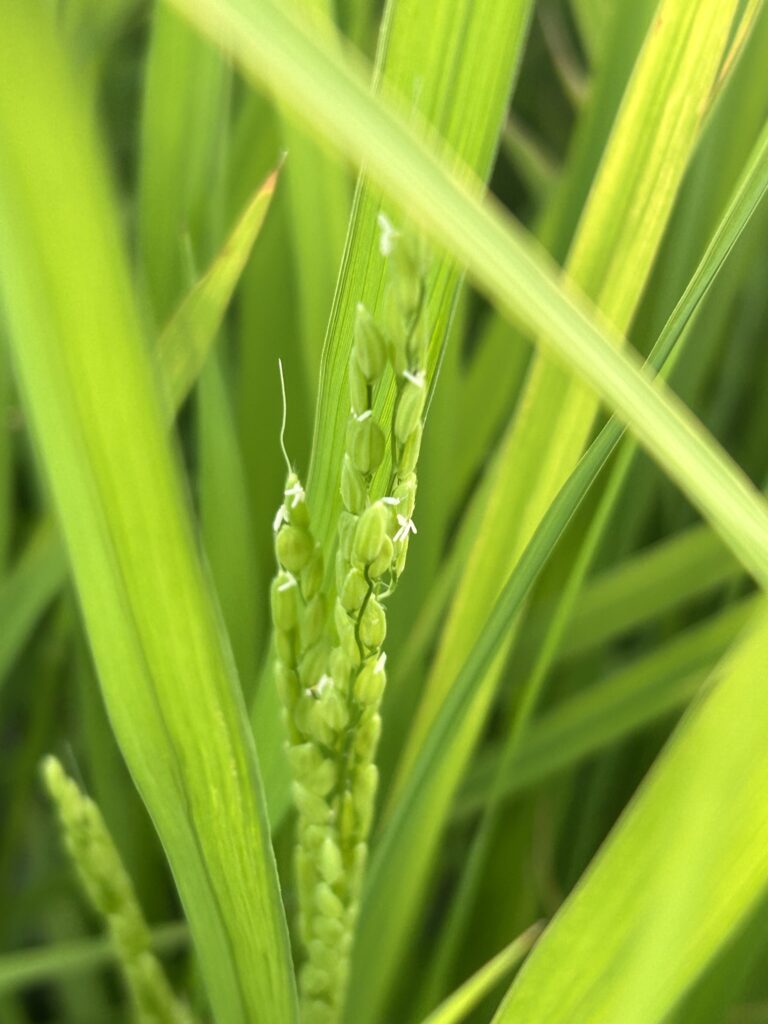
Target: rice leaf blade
[457, 61]
[660, 683]
[708, 880]
[185, 341]
[27, 591]
[184, 109]
[164, 663]
[182, 349]
[460, 1003]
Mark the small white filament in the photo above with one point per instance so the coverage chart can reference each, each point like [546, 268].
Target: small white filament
[296, 492]
[285, 415]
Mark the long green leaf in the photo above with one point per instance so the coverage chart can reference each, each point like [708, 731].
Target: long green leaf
[27, 591]
[591, 17]
[319, 196]
[185, 341]
[454, 64]
[707, 791]
[163, 659]
[460, 1003]
[24, 968]
[6, 459]
[267, 325]
[181, 352]
[184, 108]
[655, 685]
[226, 522]
[643, 588]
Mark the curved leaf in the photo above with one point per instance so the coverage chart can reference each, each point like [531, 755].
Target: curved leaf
[707, 790]
[163, 659]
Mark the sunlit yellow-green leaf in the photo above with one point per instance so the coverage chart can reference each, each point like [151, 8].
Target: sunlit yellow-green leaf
[163, 658]
[683, 867]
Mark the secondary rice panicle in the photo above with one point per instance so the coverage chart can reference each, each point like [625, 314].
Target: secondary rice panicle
[110, 892]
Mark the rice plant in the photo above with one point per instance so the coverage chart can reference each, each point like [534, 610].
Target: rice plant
[382, 516]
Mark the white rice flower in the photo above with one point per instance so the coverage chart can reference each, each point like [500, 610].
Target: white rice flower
[288, 584]
[323, 683]
[389, 235]
[296, 493]
[280, 518]
[390, 501]
[418, 379]
[406, 526]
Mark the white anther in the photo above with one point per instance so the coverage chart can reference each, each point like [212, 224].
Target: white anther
[279, 519]
[388, 236]
[364, 415]
[390, 501]
[291, 581]
[381, 662]
[417, 379]
[406, 526]
[322, 684]
[296, 493]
